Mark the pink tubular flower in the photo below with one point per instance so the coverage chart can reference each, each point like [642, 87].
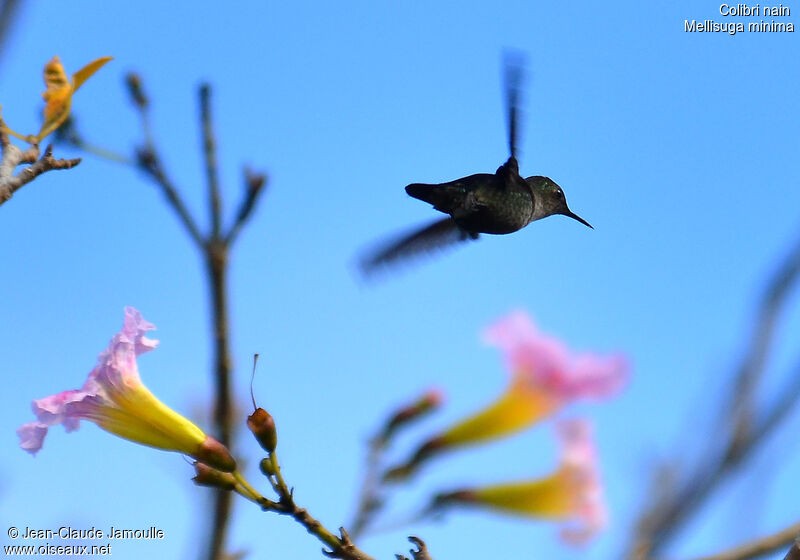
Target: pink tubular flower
[579, 465]
[545, 377]
[114, 398]
[544, 363]
[573, 494]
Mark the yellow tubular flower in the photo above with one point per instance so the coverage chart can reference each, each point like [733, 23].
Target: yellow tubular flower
[573, 493]
[519, 407]
[545, 377]
[114, 398]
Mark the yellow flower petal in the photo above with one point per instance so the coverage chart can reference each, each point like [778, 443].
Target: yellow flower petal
[518, 408]
[573, 493]
[145, 419]
[552, 497]
[114, 397]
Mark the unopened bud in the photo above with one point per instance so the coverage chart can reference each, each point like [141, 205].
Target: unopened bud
[267, 466]
[427, 449]
[262, 425]
[255, 181]
[134, 83]
[208, 476]
[459, 496]
[430, 400]
[214, 454]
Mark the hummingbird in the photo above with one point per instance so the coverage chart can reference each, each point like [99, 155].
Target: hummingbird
[498, 203]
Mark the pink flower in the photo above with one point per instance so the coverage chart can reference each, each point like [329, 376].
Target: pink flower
[579, 465]
[545, 377]
[114, 398]
[572, 494]
[544, 364]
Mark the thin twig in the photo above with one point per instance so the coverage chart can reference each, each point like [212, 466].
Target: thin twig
[68, 134]
[752, 368]
[254, 185]
[8, 11]
[369, 501]
[661, 521]
[759, 547]
[339, 547]
[215, 249]
[210, 153]
[794, 551]
[13, 157]
[421, 553]
[149, 161]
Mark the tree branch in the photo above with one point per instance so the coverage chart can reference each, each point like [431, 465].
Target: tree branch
[209, 151]
[215, 249]
[254, 186]
[420, 554]
[13, 157]
[340, 547]
[794, 551]
[8, 11]
[149, 161]
[369, 502]
[659, 523]
[759, 547]
[217, 266]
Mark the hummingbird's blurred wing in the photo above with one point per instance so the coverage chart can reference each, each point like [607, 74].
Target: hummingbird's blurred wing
[513, 74]
[436, 236]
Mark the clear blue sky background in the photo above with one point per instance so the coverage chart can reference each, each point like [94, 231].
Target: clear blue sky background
[681, 149]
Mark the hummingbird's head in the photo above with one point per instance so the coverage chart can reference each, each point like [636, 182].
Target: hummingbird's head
[550, 199]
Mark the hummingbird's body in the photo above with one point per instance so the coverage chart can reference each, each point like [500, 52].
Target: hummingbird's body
[483, 203]
[498, 203]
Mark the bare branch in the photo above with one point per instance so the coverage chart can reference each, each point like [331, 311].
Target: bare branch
[339, 547]
[216, 254]
[794, 552]
[661, 521]
[753, 365]
[68, 134]
[369, 501]
[761, 546]
[149, 161]
[210, 153]
[420, 554]
[8, 11]
[254, 186]
[13, 157]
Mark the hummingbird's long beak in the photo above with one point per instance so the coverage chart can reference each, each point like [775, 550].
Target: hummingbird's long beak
[574, 216]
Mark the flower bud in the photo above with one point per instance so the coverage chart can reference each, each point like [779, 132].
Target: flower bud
[426, 450]
[427, 402]
[262, 425]
[267, 466]
[208, 476]
[134, 83]
[216, 455]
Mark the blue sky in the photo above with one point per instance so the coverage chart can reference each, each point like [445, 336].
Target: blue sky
[679, 148]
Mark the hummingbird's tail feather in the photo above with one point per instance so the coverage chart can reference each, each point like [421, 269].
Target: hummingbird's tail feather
[444, 197]
[436, 236]
[432, 194]
[420, 191]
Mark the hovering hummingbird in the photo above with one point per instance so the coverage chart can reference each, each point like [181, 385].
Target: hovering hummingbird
[497, 203]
